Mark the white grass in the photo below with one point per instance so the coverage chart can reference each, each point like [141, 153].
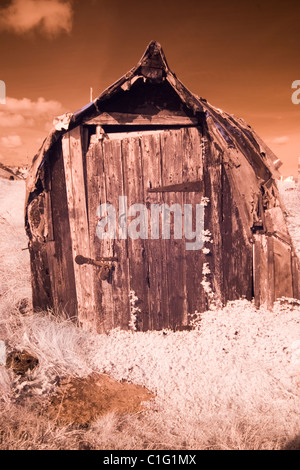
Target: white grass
[231, 383]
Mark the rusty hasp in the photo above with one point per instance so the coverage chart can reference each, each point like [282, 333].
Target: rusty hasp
[103, 261]
[105, 265]
[191, 186]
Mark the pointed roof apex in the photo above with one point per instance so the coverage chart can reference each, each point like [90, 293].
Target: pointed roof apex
[152, 67]
[154, 58]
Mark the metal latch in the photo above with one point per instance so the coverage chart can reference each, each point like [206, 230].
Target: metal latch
[187, 187]
[104, 263]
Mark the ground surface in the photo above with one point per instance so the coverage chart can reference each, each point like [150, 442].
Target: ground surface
[231, 383]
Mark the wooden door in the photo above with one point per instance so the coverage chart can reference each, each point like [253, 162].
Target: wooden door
[155, 282]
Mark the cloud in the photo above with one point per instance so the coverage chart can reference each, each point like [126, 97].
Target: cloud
[50, 17]
[13, 120]
[28, 113]
[27, 107]
[11, 141]
[282, 140]
[23, 125]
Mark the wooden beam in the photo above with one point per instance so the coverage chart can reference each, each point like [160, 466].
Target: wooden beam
[163, 118]
[74, 174]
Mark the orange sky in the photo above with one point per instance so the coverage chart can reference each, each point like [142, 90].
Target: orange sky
[240, 56]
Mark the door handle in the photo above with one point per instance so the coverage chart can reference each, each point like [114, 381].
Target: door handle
[83, 260]
[104, 263]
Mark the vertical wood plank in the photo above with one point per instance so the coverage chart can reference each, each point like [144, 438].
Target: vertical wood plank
[74, 174]
[211, 178]
[172, 167]
[236, 253]
[96, 195]
[114, 188]
[272, 270]
[283, 269]
[157, 276]
[256, 269]
[270, 267]
[138, 264]
[48, 216]
[42, 288]
[296, 276]
[263, 270]
[59, 244]
[193, 171]
[192, 168]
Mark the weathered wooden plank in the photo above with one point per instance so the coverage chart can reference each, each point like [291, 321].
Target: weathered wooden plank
[163, 118]
[194, 259]
[75, 186]
[269, 287]
[264, 270]
[261, 270]
[48, 216]
[62, 281]
[172, 156]
[237, 247]
[214, 192]
[157, 276]
[256, 269]
[114, 188]
[138, 266]
[192, 169]
[283, 269]
[241, 194]
[276, 224]
[96, 195]
[59, 244]
[40, 277]
[296, 276]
